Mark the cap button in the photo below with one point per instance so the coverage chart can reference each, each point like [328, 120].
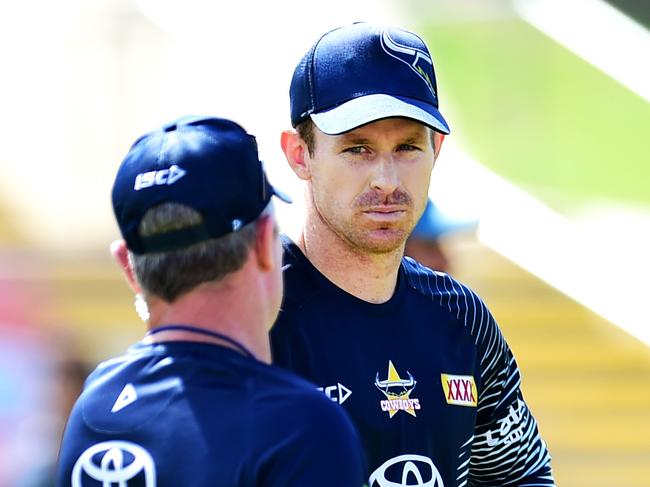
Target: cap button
[170, 127]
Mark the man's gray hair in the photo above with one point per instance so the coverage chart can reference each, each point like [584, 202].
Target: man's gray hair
[168, 275]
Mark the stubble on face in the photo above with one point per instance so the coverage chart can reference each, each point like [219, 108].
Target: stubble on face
[373, 222]
[361, 233]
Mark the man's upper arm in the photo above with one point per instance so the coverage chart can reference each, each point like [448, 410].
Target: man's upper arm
[507, 448]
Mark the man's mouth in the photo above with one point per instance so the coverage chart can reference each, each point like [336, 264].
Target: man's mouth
[385, 213]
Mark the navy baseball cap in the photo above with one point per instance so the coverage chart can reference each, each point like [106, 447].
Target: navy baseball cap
[208, 164]
[361, 73]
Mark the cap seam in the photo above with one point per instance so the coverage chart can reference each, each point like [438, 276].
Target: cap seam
[311, 74]
[163, 143]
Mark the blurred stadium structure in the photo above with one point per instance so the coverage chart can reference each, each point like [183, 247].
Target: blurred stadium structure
[558, 175]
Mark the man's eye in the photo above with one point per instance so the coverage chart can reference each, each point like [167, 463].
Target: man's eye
[408, 147]
[357, 149]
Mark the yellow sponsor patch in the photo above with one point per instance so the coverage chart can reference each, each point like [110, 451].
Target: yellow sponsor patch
[460, 390]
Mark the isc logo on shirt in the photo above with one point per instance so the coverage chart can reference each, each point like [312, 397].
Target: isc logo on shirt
[460, 390]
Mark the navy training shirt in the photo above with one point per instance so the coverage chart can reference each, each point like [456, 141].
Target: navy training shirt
[427, 377]
[197, 415]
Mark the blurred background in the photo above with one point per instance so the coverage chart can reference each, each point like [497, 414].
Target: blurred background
[549, 107]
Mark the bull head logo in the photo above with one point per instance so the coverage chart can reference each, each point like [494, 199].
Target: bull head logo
[419, 61]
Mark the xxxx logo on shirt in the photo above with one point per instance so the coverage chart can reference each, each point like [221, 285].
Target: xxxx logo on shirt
[397, 392]
[460, 390]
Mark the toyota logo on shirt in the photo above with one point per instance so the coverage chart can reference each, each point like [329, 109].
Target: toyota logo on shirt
[114, 462]
[407, 471]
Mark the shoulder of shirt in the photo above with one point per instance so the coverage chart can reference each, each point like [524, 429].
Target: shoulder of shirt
[433, 284]
[259, 382]
[195, 363]
[459, 301]
[112, 363]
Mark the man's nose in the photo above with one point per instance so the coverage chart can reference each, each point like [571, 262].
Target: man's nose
[385, 177]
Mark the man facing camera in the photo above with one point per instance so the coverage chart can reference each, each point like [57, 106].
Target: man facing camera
[414, 356]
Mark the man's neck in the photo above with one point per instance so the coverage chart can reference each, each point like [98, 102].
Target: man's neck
[214, 311]
[371, 277]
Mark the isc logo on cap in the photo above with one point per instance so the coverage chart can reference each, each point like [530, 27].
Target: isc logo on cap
[460, 390]
[159, 178]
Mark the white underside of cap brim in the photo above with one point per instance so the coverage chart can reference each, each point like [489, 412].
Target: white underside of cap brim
[366, 109]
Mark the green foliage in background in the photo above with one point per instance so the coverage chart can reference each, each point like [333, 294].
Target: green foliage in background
[539, 115]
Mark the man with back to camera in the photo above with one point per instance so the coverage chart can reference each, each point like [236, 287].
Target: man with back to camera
[195, 403]
[413, 356]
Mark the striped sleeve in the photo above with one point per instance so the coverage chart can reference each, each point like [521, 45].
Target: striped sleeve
[506, 448]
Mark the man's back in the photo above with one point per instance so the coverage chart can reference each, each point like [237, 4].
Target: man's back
[426, 376]
[197, 414]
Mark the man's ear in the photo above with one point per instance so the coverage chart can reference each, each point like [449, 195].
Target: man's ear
[296, 152]
[438, 139]
[265, 243]
[121, 255]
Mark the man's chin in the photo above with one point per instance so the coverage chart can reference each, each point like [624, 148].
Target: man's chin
[381, 241]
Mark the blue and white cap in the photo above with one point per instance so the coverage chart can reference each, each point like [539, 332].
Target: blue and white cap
[208, 164]
[361, 73]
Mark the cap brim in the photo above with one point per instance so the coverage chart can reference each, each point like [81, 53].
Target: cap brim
[281, 195]
[370, 108]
